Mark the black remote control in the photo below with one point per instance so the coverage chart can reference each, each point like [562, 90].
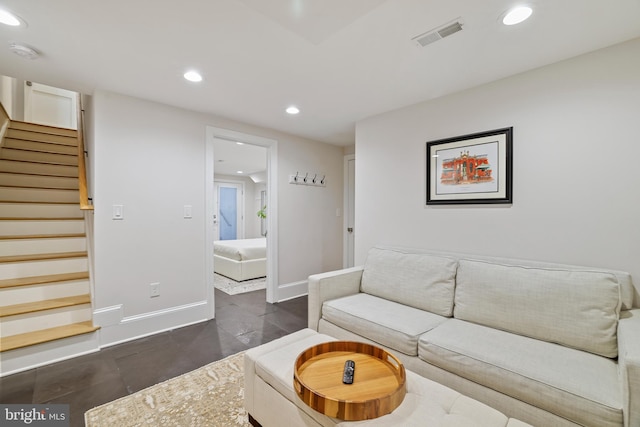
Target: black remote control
[349, 369]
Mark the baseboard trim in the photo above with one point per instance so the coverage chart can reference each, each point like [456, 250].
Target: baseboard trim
[292, 290]
[142, 325]
[108, 316]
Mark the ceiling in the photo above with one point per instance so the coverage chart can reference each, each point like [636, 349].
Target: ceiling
[239, 159]
[338, 61]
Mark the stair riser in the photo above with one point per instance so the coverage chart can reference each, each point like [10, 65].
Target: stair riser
[39, 195]
[26, 210]
[38, 168]
[43, 147]
[23, 323]
[22, 228]
[42, 246]
[33, 156]
[15, 270]
[37, 181]
[41, 137]
[25, 294]
[33, 127]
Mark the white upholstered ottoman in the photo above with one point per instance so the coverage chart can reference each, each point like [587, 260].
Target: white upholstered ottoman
[271, 401]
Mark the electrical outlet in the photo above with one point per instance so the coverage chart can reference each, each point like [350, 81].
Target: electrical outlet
[154, 290]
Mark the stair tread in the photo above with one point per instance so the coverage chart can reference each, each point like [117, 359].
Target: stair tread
[49, 218]
[28, 189]
[41, 280]
[9, 147]
[42, 257]
[34, 175]
[54, 130]
[44, 236]
[45, 335]
[40, 145]
[40, 202]
[39, 187]
[32, 307]
[36, 188]
[14, 154]
[39, 136]
[38, 169]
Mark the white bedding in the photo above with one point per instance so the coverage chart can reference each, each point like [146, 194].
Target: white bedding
[241, 250]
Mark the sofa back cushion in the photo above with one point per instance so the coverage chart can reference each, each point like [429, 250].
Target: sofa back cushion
[578, 309]
[422, 281]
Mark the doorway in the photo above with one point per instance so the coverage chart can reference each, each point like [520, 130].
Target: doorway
[349, 211]
[50, 106]
[272, 200]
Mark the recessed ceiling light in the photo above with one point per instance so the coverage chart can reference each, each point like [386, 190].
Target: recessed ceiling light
[193, 76]
[239, 143]
[239, 172]
[7, 18]
[292, 110]
[517, 15]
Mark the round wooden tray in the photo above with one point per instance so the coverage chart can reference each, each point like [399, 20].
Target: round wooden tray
[378, 385]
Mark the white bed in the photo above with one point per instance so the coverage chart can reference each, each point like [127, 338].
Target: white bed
[240, 259]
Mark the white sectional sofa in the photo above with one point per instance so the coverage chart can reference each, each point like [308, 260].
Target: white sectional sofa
[550, 344]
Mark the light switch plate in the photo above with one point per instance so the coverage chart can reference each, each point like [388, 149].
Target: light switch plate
[154, 290]
[188, 211]
[118, 212]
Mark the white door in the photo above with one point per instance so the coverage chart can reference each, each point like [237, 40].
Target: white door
[50, 106]
[229, 218]
[349, 210]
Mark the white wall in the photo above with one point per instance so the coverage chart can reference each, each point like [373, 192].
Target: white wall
[12, 96]
[576, 181]
[310, 230]
[151, 159]
[6, 94]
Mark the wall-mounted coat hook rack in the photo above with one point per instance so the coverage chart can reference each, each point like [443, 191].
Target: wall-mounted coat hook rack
[308, 178]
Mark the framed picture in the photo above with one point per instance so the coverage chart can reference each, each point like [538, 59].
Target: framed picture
[471, 169]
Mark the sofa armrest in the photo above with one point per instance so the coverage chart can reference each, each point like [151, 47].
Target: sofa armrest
[328, 286]
[629, 365]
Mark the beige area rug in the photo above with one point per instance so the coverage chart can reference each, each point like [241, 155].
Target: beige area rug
[209, 396]
[231, 287]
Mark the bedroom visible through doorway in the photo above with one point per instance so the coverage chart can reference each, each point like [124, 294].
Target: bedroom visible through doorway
[241, 167]
[240, 250]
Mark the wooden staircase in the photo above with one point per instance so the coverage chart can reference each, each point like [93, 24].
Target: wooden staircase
[45, 293]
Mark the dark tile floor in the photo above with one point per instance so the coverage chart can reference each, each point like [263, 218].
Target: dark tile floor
[242, 321]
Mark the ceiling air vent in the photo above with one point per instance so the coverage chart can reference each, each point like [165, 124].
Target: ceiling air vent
[438, 33]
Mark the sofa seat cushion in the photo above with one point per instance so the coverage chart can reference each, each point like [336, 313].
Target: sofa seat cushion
[578, 309]
[422, 281]
[388, 323]
[573, 384]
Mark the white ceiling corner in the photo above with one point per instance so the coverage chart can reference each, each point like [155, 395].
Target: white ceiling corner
[314, 20]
